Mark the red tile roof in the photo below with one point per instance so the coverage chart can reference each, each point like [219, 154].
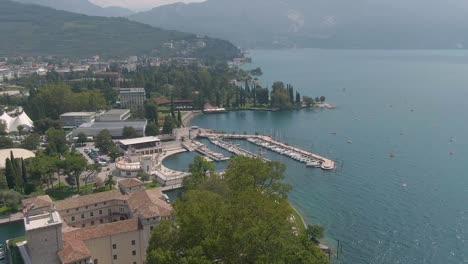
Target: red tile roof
[73, 251]
[130, 183]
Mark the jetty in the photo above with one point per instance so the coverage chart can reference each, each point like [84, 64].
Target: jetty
[309, 158]
[205, 151]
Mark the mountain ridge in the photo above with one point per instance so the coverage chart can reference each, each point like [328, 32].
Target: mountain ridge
[84, 7]
[319, 23]
[37, 30]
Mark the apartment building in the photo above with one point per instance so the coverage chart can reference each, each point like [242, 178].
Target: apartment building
[132, 98]
[108, 227]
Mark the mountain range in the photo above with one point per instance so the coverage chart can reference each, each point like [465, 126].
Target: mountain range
[321, 23]
[36, 30]
[81, 7]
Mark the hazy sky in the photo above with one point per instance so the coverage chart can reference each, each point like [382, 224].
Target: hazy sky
[139, 4]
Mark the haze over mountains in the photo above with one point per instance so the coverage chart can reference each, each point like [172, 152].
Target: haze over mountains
[321, 23]
[81, 7]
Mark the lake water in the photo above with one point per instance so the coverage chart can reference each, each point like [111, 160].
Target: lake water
[412, 208]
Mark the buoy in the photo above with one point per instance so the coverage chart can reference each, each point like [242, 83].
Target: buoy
[405, 184]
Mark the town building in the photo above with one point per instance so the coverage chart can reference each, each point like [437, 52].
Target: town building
[141, 146]
[109, 227]
[75, 119]
[114, 115]
[132, 98]
[115, 128]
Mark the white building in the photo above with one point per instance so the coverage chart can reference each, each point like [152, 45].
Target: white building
[141, 146]
[75, 119]
[12, 123]
[132, 98]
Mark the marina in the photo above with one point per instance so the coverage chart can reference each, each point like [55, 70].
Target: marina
[309, 158]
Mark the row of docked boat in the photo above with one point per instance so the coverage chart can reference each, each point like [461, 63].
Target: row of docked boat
[204, 150]
[232, 148]
[295, 155]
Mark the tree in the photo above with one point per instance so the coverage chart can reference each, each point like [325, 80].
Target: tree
[3, 182]
[10, 174]
[42, 125]
[20, 129]
[169, 125]
[110, 181]
[218, 221]
[143, 176]
[179, 118]
[151, 129]
[3, 128]
[31, 142]
[322, 98]
[81, 138]
[151, 111]
[129, 132]
[5, 142]
[73, 165]
[115, 152]
[298, 98]
[104, 141]
[280, 97]
[43, 167]
[199, 169]
[315, 233]
[309, 101]
[56, 141]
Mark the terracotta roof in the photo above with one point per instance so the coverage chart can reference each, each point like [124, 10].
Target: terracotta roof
[73, 251]
[150, 203]
[38, 201]
[90, 199]
[102, 230]
[130, 183]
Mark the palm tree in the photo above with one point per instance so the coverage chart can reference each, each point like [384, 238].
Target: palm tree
[110, 182]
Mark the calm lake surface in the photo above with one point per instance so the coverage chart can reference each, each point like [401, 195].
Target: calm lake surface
[412, 208]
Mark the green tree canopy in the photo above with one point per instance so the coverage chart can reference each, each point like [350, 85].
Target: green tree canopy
[56, 141]
[5, 142]
[129, 132]
[241, 217]
[104, 141]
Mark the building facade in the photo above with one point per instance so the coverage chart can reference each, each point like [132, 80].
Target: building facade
[75, 119]
[141, 146]
[114, 115]
[132, 98]
[108, 227]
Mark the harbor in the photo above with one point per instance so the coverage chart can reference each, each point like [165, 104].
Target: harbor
[308, 158]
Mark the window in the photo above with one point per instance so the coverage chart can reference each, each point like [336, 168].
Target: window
[95, 205]
[73, 218]
[92, 222]
[133, 242]
[77, 209]
[101, 221]
[100, 211]
[151, 228]
[134, 252]
[104, 203]
[86, 207]
[114, 246]
[115, 256]
[68, 211]
[91, 214]
[82, 216]
[134, 262]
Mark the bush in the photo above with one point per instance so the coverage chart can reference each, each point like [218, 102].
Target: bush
[11, 199]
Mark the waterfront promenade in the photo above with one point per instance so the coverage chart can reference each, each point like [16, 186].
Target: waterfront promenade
[326, 164]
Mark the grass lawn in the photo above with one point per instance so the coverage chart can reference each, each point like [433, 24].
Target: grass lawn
[5, 210]
[300, 224]
[151, 185]
[14, 241]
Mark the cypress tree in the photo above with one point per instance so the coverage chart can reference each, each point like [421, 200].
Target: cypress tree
[9, 174]
[23, 171]
[12, 159]
[3, 182]
[179, 117]
[19, 174]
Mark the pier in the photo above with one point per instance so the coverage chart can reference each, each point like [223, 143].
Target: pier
[233, 148]
[204, 150]
[309, 158]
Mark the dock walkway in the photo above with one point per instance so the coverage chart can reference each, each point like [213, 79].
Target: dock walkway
[325, 163]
